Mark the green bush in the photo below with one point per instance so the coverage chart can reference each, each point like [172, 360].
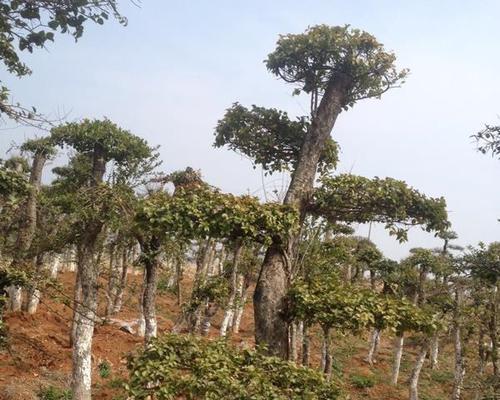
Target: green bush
[54, 393]
[362, 382]
[104, 369]
[193, 368]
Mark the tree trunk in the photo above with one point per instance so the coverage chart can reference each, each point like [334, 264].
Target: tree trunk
[210, 311]
[415, 374]
[459, 373]
[270, 291]
[88, 274]
[272, 285]
[434, 352]
[493, 331]
[374, 343]
[241, 306]
[328, 363]
[230, 308]
[33, 295]
[398, 354]
[305, 346]
[149, 298]
[114, 273]
[27, 226]
[178, 279]
[77, 298]
[118, 301]
[84, 325]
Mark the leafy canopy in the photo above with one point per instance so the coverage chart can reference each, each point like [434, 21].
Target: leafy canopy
[350, 198]
[312, 60]
[202, 212]
[269, 138]
[192, 368]
[488, 140]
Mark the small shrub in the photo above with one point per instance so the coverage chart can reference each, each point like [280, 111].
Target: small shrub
[193, 368]
[54, 393]
[362, 382]
[104, 369]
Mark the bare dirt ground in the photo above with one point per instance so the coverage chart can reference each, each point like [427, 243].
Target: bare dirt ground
[39, 354]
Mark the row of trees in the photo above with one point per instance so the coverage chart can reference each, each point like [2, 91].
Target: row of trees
[109, 200]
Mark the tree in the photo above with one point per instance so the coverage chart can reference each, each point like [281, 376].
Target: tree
[41, 150]
[29, 24]
[96, 205]
[336, 67]
[488, 140]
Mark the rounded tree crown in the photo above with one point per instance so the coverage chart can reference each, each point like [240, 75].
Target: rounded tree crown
[112, 141]
[312, 60]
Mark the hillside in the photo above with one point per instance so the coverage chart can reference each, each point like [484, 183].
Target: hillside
[39, 355]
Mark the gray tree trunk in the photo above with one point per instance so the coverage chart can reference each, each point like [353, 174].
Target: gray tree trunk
[398, 354]
[434, 352]
[415, 374]
[374, 343]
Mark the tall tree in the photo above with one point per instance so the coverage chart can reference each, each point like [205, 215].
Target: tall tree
[335, 67]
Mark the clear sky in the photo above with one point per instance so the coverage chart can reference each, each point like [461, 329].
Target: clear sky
[170, 74]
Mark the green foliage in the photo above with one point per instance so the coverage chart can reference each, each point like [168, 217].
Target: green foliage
[132, 156]
[12, 184]
[488, 140]
[350, 198]
[104, 369]
[269, 138]
[192, 368]
[54, 393]
[327, 301]
[312, 60]
[362, 381]
[41, 146]
[203, 212]
[214, 289]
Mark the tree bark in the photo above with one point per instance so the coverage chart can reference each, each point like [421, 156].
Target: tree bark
[374, 343]
[150, 282]
[272, 285]
[415, 374]
[459, 372]
[118, 301]
[230, 308]
[27, 226]
[241, 306]
[434, 356]
[398, 354]
[305, 346]
[328, 361]
[33, 293]
[84, 325]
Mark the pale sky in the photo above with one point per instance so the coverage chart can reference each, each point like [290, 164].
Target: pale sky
[170, 74]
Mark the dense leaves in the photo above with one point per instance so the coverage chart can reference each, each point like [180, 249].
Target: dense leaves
[269, 138]
[204, 212]
[191, 368]
[351, 198]
[313, 59]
